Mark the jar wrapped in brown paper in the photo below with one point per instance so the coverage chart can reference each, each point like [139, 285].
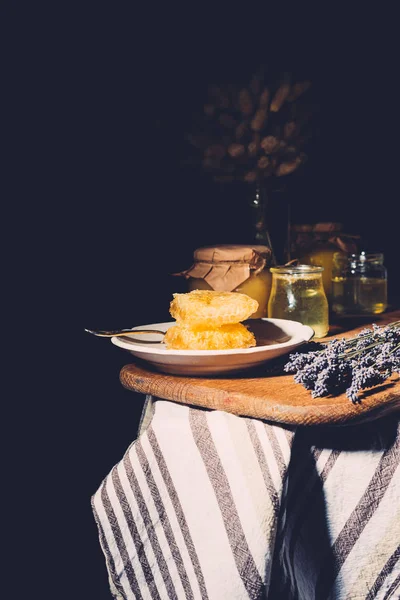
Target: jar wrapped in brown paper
[233, 268]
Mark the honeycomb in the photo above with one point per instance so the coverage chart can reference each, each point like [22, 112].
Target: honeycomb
[225, 337]
[210, 309]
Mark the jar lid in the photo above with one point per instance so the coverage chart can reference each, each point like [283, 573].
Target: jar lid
[226, 266]
[363, 257]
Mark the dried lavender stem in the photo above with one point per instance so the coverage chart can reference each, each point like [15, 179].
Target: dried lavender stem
[349, 365]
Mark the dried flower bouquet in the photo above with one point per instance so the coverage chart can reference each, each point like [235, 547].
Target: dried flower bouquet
[250, 133]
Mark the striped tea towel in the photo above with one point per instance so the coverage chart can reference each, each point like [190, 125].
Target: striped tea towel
[208, 505]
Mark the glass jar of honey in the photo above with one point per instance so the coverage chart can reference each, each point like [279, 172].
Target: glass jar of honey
[233, 268]
[298, 294]
[359, 284]
[315, 244]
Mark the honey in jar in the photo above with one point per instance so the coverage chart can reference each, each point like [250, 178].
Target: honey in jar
[233, 268]
[359, 284]
[298, 294]
[316, 245]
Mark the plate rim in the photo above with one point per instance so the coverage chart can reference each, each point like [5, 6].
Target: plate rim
[163, 351]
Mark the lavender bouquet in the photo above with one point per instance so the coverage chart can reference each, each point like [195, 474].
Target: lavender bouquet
[349, 365]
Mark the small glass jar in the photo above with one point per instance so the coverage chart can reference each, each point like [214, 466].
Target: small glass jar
[298, 294]
[359, 284]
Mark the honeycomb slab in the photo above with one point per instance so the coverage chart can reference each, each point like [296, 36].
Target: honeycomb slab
[211, 309]
[226, 337]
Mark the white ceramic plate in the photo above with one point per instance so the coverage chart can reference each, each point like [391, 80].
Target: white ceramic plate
[274, 338]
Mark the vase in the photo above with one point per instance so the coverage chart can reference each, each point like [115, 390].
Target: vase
[258, 206]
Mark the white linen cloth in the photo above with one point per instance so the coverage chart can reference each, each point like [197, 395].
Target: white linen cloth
[208, 505]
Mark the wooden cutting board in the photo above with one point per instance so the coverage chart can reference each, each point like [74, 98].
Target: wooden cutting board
[274, 398]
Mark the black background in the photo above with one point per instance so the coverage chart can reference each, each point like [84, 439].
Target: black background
[108, 91]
